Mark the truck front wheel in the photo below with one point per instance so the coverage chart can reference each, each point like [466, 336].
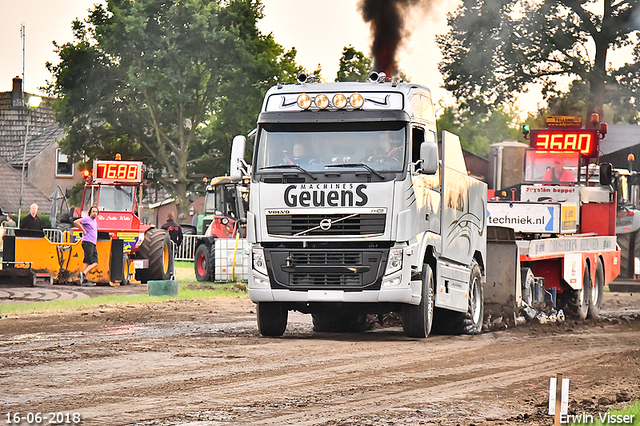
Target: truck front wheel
[418, 319]
[272, 318]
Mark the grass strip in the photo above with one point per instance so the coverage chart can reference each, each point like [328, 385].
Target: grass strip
[54, 306]
[628, 415]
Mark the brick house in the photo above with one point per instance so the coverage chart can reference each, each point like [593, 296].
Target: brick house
[46, 168]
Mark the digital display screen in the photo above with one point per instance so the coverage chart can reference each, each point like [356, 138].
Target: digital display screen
[585, 141]
[117, 171]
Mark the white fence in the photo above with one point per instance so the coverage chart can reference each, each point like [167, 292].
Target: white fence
[187, 250]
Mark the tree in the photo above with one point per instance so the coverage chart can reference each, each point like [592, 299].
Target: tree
[354, 65]
[495, 48]
[169, 82]
[478, 131]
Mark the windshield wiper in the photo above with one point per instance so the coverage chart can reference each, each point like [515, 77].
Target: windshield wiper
[357, 165]
[290, 166]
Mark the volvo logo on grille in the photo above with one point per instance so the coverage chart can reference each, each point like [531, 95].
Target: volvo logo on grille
[325, 224]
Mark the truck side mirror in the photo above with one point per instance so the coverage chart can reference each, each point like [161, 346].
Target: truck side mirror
[237, 158]
[429, 158]
[606, 173]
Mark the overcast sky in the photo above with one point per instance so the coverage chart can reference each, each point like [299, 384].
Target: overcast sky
[319, 29]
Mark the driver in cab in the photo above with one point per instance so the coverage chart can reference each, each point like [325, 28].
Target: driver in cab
[558, 173]
[387, 149]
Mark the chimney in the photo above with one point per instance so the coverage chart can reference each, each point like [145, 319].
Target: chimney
[17, 96]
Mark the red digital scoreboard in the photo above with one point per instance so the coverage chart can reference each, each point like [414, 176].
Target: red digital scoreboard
[123, 172]
[586, 141]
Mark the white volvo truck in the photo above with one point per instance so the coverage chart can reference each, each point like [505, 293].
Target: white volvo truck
[353, 211]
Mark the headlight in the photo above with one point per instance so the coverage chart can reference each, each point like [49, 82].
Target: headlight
[356, 100]
[395, 261]
[304, 101]
[259, 263]
[340, 101]
[322, 101]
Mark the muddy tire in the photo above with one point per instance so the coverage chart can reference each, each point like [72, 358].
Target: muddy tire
[157, 248]
[417, 320]
[204, 262]
[272, 318]
[331, 322]
[597, 292]
[578, 305]
[627, 244]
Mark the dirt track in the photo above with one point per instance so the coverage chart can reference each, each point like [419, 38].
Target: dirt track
[203, 363]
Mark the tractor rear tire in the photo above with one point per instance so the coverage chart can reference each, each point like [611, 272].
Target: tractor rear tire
[417, 320]
[272, 318]
[157, 248]
[627, 256]
[204, 263]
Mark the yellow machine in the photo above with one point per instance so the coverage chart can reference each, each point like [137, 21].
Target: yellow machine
[29, 254]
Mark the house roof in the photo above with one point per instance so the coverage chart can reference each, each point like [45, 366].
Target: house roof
[9, 199]
[43, 128]
[36, 144]
[620, 137]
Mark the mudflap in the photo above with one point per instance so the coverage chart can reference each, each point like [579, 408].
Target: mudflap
[502, 294]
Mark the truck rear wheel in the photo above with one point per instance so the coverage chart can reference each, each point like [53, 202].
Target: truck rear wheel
[418, 319]
[597, 291]
[330, 322]
[204, 263]
[470, 322]
[157, 248]
[272, 318]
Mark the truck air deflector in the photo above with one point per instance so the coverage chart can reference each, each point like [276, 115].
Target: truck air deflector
[308, 117]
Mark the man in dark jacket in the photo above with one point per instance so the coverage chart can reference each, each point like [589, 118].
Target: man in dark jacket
[32, 221]
[174, 230]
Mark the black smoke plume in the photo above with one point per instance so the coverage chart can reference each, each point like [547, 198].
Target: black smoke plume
[387, 19]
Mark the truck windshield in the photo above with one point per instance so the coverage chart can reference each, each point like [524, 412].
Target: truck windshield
[312, 146]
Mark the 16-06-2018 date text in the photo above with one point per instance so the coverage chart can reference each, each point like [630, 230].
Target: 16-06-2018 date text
[51, 418]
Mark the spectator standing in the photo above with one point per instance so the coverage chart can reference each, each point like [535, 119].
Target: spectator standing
[32, 221]
[174, 230]
[89, 228]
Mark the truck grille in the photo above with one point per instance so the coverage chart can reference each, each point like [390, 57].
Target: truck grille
[307, 269]
[325, 280]
[340, 224]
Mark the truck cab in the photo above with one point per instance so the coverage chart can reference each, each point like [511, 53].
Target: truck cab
[352, 212]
